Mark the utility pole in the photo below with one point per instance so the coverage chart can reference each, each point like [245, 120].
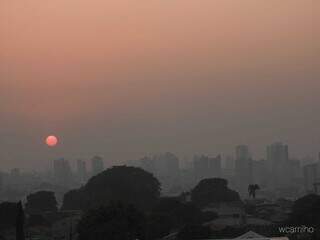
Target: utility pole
[20, 222]
[71, 230]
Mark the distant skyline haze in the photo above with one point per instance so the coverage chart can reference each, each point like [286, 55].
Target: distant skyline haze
[122, 79]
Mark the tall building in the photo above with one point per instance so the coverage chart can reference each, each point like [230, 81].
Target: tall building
[277, 153]
[206, 167]
[295, 170]
[311, 176]
[227, 171]
[260, 172]
[242, 152]
[167, 164]
[215, 166]
[97, 165]
[147, 164]
[62, 172]
[243, 168]
[229, 163]
[167, 170]
[82, 170]
[278, 162]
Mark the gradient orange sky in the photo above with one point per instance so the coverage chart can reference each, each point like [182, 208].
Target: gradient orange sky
[126, 78]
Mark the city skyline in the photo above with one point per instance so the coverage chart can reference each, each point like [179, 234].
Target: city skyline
[276, 171]
[240, 152]
[123, 80]
[82, 155]
[159, 120]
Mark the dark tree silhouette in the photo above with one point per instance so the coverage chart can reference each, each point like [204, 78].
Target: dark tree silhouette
[8, 214]
[170, 214]
[20, 222]
[37, 220]
[181, 213]
[128, 185]
[252, 188]
[42, 201]
[213, 190]
[306, 210]
[159, 225]
[74, 200]
[113, 222]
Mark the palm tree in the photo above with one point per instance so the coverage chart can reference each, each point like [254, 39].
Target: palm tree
[252, 188]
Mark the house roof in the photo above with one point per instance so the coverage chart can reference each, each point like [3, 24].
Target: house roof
[250, 235]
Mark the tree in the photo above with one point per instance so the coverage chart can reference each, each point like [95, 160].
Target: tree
[113, 222]
[306, 210]
[169, 214]
[41, 201]
[74, 200]
[213, 190]
[129, 185]
[8, 214]
[20, 222]
[181, 213]
[159, 225]
[36, 220]
[252, 188]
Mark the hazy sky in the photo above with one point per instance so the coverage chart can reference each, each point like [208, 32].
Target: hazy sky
[127, 78]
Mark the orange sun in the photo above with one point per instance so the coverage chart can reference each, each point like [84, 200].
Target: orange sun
[52, 141]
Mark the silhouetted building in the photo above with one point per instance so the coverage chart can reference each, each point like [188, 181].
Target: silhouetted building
[229, 163]
[295, 170]
[260, 174]
[278, 161]
[215, 166]
[243, 168]
[167, 170]
[227, 169]
[97, 165]
[62, 172]
[242, 152]
[206, 167]
[311, 176]
[165, 167]
[167, 164]
[82, 170]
